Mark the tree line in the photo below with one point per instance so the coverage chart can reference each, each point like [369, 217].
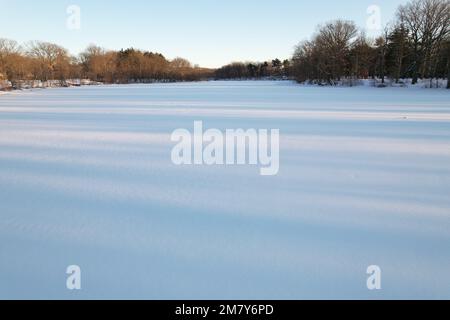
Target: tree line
[254, 70]
[416, 45]
[47, 61]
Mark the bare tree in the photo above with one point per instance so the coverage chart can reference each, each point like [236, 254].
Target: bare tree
[382, 46]
[180, 63]
[95, 63]
[10, 59]
[326, 57]
[52, 61]
[428, 24]
[334, 40]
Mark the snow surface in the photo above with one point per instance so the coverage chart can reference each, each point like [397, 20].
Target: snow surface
[86, 179]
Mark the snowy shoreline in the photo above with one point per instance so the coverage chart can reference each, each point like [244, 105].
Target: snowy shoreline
[405, 84]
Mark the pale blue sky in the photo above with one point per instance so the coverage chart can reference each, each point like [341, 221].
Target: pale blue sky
[207, 32]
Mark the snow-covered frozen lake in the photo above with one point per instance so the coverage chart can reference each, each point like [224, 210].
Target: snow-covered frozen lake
[86, 179]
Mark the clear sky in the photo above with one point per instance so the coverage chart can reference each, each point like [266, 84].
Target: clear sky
[207, 32]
